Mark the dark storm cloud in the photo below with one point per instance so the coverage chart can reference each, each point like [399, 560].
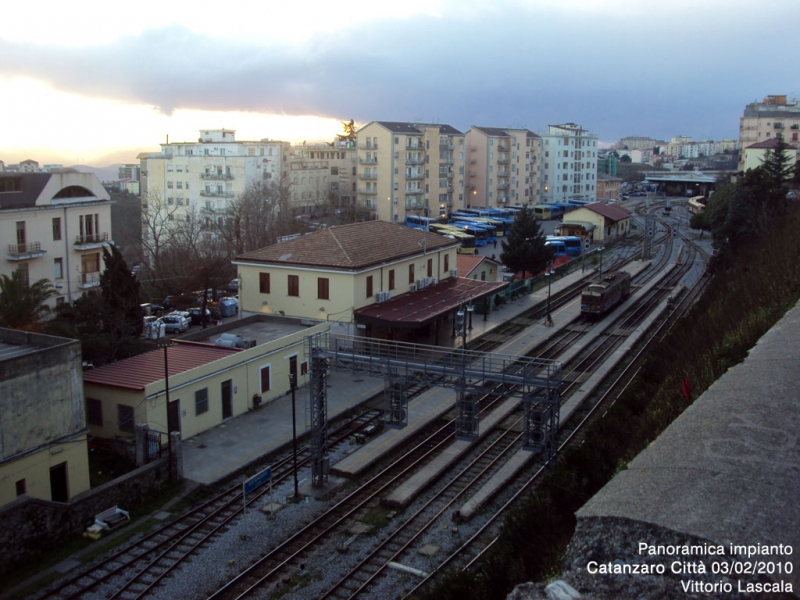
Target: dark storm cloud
[510, 68]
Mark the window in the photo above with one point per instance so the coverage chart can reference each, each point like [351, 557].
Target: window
[179, 184]
[201, 401]
[334, 170]
[410, 273]
[58, 268]
[170, 185]
[323, 288]
[430, 267]
[56, 229]
[369, 286]
[391, 279]
[265, 379]
[94, 412]
[446, 262]
[24, 275]
[125, 418]
[21, 488]
[294, 285]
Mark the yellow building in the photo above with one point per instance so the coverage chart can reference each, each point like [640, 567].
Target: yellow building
[503, 167]
[384, 280]
[410, 168]
[775, 116]
[55, 226]
[42, 424]
[208, 383]
[597, 221]
[754, 155]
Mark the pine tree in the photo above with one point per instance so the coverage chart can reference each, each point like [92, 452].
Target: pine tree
[121, 312]
[523, 248]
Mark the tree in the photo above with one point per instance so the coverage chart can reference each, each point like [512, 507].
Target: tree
[524, 248]
[625, 158]
[121, 305]
[23, 306]
[349, 131]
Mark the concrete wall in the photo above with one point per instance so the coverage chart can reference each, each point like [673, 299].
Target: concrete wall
[30, 527]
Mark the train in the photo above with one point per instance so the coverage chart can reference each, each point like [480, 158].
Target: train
[697, 204]
[600, 297]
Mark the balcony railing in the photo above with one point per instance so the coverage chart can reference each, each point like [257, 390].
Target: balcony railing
[216, 176]
[90, 279]
[368, 192]
[368, 161]
[415, 161]
[370, 146]
[24, 251]
[216, 194]
[448, 146]
[91, 239]
[503, 160]
[503, 148]
[415, 175]
[370, 176]
[413, 191]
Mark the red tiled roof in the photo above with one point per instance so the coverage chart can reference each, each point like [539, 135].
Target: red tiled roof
[416, 309]
[354, 246]
[139, 371]
[612, 212]
[466, 263]
[770, 144]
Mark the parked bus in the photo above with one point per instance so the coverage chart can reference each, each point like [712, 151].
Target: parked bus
[480, 233]
[501, 228]
[418, 222]
[467, 241]
[573, 243]
[558, 246]
[546, 211]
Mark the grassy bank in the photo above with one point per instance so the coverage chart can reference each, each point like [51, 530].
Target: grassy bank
[751, 289]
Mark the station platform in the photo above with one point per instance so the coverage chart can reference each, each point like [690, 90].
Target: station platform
[225, 449]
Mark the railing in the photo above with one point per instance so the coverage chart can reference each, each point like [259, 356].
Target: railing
[20, 249]
[92, 238]
[368, 176]
[216, 176]
[415, 175]
[90, 279]
[216, 194]
[413, 191]
[370, 146]
[368, 192]
[415, 161]
[368, 161]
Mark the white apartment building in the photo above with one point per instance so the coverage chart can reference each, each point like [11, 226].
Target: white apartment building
[503, 167]
[569, 163]
[206, 174]
[55, 226]
[322, 175]
[409, 168]
[775, 116]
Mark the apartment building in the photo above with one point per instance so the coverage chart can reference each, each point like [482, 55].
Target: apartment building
[503, 167]
[569, 169]
[206, 174]
[775, 116]
[409, 168]
[638, 143]
[55, 226]
[321, 175]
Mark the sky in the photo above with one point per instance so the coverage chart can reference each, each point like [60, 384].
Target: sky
[94, 83]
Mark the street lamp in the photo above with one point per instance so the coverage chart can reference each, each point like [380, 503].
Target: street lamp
[549, 274]
[293, 385]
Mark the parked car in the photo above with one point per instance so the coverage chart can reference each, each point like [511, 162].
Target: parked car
[175, 323]
[196, 315]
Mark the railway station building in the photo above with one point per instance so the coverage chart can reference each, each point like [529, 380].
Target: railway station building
[200, 380]
[597, 221]
[374, 278]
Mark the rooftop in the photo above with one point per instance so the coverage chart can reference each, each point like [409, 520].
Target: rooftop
[612, 212]
[350, 247]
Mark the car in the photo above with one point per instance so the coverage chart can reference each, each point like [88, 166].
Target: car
[196, 314]
[175, 323]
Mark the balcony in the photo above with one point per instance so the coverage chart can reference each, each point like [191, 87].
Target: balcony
[368, 192]
[216, 194]
[90, 280]
[447, 146]
[25, 251]
[502, 186]
[368, 161]
[368, 176]
[224, 176]
[413, 191]
[415, 161]
[368, 146]
[503, 148]
[91, 241]
[415, 175]
[503, 160]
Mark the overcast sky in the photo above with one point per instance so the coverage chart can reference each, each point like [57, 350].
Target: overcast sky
[82, 80]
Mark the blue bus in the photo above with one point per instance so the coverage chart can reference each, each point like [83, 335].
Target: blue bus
[573, 244]
[480, 234]
[558, 246]
[491, 230]
[418, 222]
[501, 227]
